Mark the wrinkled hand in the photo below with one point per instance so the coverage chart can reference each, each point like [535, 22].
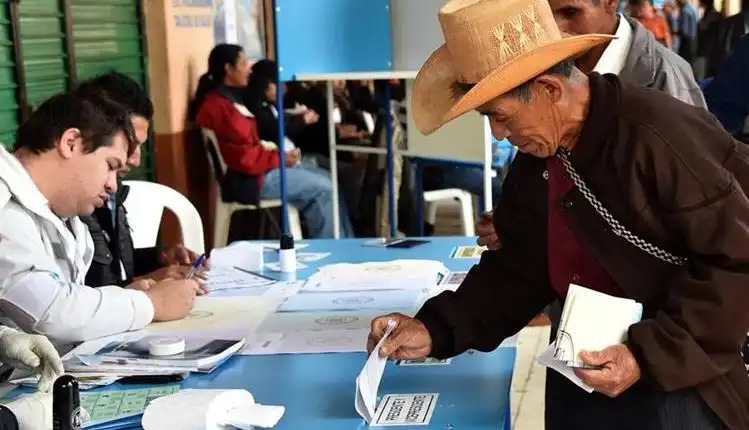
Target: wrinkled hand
[31, 352]
[618, 370]
[181, 256]
[409, 340]
[487, 234]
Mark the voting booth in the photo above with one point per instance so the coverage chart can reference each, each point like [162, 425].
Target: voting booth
[329, 40]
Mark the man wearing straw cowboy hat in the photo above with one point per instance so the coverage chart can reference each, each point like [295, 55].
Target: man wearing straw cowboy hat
[612, 190]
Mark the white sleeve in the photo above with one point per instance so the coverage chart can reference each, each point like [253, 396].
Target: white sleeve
[35, 295]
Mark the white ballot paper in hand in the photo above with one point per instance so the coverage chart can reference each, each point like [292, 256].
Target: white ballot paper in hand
[368, 380]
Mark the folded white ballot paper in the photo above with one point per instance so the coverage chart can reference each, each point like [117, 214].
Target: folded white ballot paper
[209, 410]
[368, 380]
[591, 321]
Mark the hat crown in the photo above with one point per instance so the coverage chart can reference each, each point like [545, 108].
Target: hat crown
[483, 35]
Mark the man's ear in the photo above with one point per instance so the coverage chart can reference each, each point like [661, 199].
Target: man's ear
[70, 143]
[550, 86]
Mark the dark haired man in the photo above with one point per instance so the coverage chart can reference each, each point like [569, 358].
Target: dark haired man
[65, 163]
[116, 261]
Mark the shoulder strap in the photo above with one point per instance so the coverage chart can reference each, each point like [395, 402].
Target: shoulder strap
[616, 227]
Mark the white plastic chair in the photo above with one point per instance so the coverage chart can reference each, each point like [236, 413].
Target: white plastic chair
[145, 205]
[224, 210]
[432, 199]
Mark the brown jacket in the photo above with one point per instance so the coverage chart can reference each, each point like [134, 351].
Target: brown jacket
[673, 176]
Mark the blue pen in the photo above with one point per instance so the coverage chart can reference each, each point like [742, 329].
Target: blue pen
[196, 266]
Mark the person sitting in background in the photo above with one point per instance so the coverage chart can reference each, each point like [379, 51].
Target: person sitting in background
[350, 122]
[65, 163]
[471, 179]
[260, 99]
[645, 13]
[115, 260]
[218, 106]
[35, 353]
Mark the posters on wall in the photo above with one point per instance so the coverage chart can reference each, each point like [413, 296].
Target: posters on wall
[240, 22]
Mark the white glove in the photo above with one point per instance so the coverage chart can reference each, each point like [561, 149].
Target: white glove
[33, 411]
[31, 352]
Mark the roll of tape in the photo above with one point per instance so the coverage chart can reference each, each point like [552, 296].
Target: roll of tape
[167, 346]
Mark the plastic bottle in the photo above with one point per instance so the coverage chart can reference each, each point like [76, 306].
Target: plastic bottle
[66, 404]
[287, 254]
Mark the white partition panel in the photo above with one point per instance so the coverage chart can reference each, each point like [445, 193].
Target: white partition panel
[416, 31]
[463, 139]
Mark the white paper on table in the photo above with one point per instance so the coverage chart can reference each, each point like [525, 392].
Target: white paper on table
[279, 290]
[547, 359]
[221, 317]
[209, 410]
[275, 266]
[286, 322]
[388, 275]
[311, 257]
[353, 300]
[262, 344]
[228, 278]
[368, 381]
[321, 342]
[245, 255]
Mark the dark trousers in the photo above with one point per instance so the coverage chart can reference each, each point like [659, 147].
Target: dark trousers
[568, 407]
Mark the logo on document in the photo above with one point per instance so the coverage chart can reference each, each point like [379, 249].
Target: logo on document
[353, 301]
[336, 320]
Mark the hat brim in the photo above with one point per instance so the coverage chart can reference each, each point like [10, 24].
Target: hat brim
[434, 101]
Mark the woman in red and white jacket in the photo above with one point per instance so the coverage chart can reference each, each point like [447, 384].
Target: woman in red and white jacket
[253, 163]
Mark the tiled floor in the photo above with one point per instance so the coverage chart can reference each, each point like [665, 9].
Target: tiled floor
[527, 399]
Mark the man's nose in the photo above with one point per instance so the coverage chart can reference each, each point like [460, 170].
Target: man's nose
[111, 185]
[500, 132]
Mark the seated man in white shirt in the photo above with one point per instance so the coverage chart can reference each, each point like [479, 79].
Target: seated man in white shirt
[65, 162]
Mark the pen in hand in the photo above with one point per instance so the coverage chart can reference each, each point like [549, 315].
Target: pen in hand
[196, 266]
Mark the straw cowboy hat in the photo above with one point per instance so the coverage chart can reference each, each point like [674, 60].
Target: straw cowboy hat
[494, 45]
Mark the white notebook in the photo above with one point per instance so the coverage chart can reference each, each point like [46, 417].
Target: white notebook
[592, 321]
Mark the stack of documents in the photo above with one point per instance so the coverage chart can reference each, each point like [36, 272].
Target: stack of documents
[591, 321]
[388, 275]
[333, 310]
[129, 353]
